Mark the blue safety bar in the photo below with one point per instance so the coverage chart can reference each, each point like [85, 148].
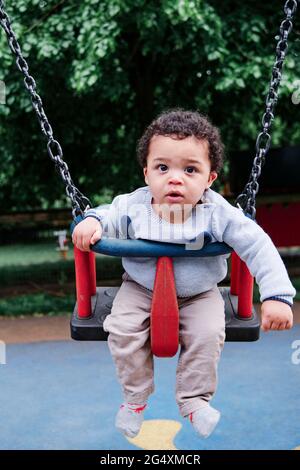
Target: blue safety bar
[147, 248]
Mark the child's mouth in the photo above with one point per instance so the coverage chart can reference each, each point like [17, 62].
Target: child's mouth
[173, 197]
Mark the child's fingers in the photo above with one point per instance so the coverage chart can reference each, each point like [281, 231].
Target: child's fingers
[85, 234]
[265, 326]
[86, 243]
[81, 243]
[95, 237]
[76, 237]
[280, 326]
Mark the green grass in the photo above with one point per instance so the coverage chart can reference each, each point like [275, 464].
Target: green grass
[37, 304]
[29, 254]
[33, 254]
[41, 263]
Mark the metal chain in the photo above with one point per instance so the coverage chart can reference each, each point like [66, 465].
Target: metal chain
[246, 200]
[78, 200]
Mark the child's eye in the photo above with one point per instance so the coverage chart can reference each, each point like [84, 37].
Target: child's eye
[192, 168]
[162, 167]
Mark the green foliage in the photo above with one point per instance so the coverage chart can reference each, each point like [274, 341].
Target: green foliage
[105, 68]
[29, 254]
[59, 272]
[37, 304]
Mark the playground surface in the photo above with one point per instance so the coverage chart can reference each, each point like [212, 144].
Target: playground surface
[54, 394]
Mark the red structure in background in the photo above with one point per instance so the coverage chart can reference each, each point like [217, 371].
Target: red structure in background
[281, 220]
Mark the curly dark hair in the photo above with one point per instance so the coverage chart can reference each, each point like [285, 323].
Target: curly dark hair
[183, 123]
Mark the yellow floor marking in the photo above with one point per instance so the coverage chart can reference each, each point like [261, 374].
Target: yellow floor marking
[156, 434]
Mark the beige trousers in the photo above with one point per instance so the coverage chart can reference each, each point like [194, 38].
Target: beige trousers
[201, 337]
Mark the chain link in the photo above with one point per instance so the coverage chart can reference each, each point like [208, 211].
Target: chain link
[79, 202]
[246, 200]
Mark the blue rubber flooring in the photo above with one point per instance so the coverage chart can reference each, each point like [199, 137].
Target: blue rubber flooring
[64, 395]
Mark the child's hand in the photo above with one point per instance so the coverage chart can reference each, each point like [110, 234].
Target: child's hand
[276, 315]
[87, 233]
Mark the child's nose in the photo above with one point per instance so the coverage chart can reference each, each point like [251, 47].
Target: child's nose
[175, 178]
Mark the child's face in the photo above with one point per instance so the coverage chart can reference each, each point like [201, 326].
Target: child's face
[181, 166]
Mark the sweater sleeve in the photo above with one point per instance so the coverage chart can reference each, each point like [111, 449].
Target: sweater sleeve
[110, 217]
[254, 246]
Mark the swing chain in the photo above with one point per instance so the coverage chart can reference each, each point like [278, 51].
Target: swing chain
[79, 202]
[247, 199]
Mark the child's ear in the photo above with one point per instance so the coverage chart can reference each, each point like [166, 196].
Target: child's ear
[212, 177]
[145, 175]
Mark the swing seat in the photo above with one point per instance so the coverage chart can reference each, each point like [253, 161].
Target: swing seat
[94, 304]
[91, 329]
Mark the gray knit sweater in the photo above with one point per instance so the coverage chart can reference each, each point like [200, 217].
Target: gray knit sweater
[132, 216]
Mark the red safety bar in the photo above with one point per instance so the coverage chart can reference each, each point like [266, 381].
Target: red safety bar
[235, 271]
[85, 271]
[164, 310]
[241, 284]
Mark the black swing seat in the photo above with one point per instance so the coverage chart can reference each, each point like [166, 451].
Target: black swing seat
[91, 329]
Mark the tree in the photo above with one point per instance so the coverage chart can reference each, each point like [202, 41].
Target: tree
[106, 68]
